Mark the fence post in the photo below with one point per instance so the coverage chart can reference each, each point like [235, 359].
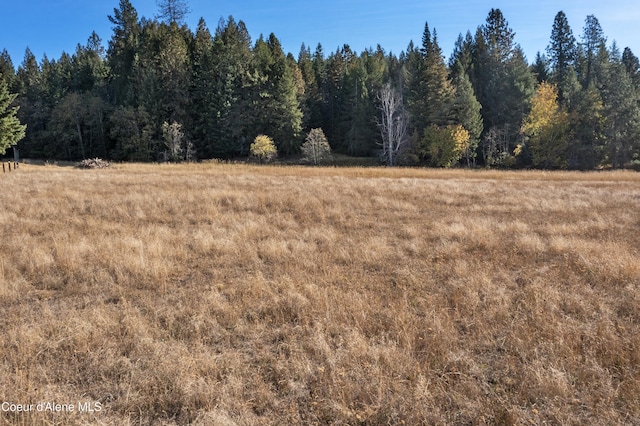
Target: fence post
[9, 165]
[3, 171]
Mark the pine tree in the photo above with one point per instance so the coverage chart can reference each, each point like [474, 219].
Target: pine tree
[11, 130]
[232, 100]
[336, 110]
[89, 68]
[430, 91]
[540, 68]
[310, 97]
[34, 110]
[561, 51]
[438, 88]
[621, 102]
[504, 85]
[498, 36]
[586, 124]
[466, 111]
[592, 54]
[494, 68]
[478, 74]
[203, 91]
[632, 65]
[122, 51]
[462, 54]
[132, 131]
[7, 71]
[162, 72]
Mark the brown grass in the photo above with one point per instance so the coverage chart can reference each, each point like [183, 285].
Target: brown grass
[229, 294]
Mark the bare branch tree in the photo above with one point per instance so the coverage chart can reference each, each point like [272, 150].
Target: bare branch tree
[393, 124]
[172, 10]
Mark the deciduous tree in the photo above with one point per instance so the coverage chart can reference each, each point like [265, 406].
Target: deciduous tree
[172, 11]
[178, 146]
[546, 128]
[316, 148]
[393, 124]
[263, 148]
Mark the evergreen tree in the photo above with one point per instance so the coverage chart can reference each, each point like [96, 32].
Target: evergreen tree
[586, 119]
[498, 36]
[621, 102]
[561, 51]
[162, 72]
[466, 111]
[592, 53]
[462, 54]
[11, 130]
[275, 109]
[336, 112]
[478, 74]
[122, 52]
[89, 71]
[202, 92]
[7, 71]
[352, 98]
[408, 82]
[504, 85]
[540, 68]
[377, 70]
[430, 91]
[632, 65]
[494, 68]
[132, 132]
[231, 100]
[311, 102]
[319, 108]
[34, 110]
[438, 90]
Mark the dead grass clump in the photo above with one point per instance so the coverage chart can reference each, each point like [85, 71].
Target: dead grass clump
[238, 294]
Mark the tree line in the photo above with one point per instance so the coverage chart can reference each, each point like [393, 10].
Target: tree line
[160, 91]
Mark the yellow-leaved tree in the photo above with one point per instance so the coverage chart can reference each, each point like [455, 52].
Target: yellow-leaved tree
[546, 128]
[263, 148]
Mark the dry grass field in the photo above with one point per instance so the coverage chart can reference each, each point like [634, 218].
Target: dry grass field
[244, 295]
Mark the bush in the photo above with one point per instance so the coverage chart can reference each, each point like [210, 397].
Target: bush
[263, 149]
[444, 146]
[93, 163]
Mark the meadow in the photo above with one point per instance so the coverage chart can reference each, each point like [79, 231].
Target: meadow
[216, 294]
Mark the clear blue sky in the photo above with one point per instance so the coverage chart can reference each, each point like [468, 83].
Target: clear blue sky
[53, 26]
